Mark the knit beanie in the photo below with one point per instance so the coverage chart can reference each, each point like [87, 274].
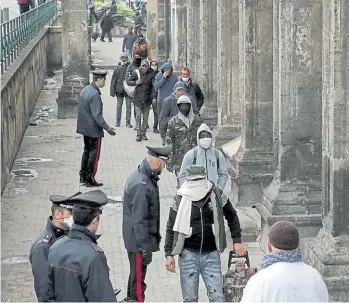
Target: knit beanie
[284, 235]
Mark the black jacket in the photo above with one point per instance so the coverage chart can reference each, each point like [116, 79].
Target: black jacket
[141, 211]
[145, 91]
[38, 258]
[194, 91]
[107, 23]
[202, 237]
[78, 269]
[117, 80]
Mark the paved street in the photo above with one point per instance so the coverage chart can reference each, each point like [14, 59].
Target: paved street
[48, 163]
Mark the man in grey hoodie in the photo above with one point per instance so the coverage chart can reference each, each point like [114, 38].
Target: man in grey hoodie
[164, 84]
[208, 156]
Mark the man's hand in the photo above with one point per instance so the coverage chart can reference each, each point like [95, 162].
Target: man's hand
[147, 257]
[170, 264]
[139, 81]
[165, 75]
[154, 101]
[239, 249]
[111, 131]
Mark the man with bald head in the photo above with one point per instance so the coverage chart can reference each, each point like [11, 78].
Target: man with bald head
[284, 277]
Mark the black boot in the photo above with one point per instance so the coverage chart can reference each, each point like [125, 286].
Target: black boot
[93, 184]
[83, 180]
[155, 130]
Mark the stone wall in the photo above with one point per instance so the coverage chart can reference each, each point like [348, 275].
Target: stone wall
[54, 48]
[20, 88]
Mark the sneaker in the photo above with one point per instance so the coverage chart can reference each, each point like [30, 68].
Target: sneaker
[117, 125]
[163, 143]
[144, 137]
[83, 180]
[102, 40]
[93, 184]
[129, 125]
[138, 138]
[155, 130]
[110, 40]
[135, 128]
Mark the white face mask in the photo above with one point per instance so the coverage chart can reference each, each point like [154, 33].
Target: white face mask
[69, 221]
[154, 67]
[185, 79]
[123, 63]
[205, 143]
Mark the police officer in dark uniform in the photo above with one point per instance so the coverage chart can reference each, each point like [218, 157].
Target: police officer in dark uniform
[91, 125]
[78, 269]
[57, 226]
[141, 218]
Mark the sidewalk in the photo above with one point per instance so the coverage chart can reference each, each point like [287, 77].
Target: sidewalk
[48, 163]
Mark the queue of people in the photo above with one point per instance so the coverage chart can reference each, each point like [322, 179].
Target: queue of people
[68, 265]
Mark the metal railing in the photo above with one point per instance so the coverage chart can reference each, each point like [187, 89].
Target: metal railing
[18, 32]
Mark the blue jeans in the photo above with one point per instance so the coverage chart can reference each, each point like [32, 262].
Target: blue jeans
[191, 265]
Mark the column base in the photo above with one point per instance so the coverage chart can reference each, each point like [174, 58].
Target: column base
[68, 98]
[226, 133]
[296, 202]
[330, 256]
[251, 171]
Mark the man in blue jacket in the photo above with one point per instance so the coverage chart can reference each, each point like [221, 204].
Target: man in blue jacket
[164, 84]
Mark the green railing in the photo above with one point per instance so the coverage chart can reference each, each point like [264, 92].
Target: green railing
[18, 32]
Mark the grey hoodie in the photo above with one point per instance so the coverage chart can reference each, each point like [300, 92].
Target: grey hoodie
[206, 158]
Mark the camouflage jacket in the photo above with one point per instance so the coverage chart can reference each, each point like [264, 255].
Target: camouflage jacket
[181, 138]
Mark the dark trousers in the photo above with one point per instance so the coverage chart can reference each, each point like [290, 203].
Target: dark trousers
[138, 29]
[24, 9]
[156, 115]
[108, 34]
[120, 102]
[90, 157]
[136, 286]
[142, 115]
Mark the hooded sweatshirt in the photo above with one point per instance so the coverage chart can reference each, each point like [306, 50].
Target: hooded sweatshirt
[181, 133]
[165, 86]
[206, 158]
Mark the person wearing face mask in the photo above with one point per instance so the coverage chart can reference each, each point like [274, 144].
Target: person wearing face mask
[91, 124]
[144, 93]
[181, 133]
[208, 156]
[169, 109]
[57, 225]
[78, 269]
[192, 89]
[154, 67]
[195, 232]
[141, 218]
[117, 88]
[135, 64]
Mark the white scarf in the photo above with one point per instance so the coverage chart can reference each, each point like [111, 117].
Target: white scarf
[190, 191]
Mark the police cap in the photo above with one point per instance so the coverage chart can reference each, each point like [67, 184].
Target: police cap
[100, 72]
[159, 152]
[63, 201]
[91, 199]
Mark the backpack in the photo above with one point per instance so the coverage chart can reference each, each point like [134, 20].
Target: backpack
[22, 2]
[216, 152]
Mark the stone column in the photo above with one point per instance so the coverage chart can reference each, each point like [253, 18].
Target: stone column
[229, 106]
[76, 62]
[329, 253]
[252, 164]
[193, 38]
[156, 29]
[208, 53]
[295, 192]
[180, 35]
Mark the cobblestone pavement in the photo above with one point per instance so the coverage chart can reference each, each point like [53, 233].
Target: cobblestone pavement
[48, 163]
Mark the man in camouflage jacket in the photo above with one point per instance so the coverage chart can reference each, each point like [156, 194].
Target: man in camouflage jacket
[181, 133]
